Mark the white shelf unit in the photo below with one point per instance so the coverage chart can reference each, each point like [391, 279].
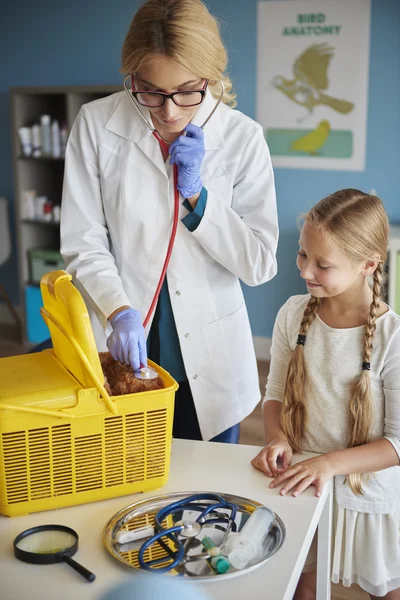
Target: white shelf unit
[45, 175]
[394, 268]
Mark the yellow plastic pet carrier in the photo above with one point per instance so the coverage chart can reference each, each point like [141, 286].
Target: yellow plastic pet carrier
[63, 439]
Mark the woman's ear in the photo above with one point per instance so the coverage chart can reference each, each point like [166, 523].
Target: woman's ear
[370, 265]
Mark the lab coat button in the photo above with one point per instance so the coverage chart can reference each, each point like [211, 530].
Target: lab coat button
[194, 376]
[178, 293]
[186, 335]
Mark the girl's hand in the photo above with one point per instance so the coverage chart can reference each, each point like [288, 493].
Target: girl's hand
[267, 459]
[313, 471]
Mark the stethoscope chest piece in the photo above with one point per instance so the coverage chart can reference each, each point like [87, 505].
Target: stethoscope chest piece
[190, 529]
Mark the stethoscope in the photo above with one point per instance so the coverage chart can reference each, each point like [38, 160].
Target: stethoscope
[164, 146]
[187, 529]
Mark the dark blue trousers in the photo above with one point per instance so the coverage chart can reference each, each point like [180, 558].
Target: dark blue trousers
[186, 425]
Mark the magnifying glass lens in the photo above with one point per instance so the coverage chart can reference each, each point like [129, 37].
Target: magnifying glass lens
[46, 542]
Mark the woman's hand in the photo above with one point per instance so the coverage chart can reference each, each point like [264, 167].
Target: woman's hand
[276, 451]
[127, 343]
[313, 471]
[187, 152]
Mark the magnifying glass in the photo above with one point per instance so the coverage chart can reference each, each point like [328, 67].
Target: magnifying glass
[49, 544]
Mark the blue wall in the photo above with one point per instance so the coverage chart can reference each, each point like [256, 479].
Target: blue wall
[75, 42]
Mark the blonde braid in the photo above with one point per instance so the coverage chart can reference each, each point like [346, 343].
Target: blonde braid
[360, 404]
[294, 414]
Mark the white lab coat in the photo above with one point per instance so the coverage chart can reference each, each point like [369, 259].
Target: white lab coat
[117, 211]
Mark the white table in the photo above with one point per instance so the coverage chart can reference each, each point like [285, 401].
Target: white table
[195, 466]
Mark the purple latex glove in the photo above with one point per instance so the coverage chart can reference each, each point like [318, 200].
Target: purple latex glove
[187, 152]
[127, 343]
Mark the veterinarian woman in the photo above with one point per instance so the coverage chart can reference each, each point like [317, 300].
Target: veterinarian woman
[118, 207]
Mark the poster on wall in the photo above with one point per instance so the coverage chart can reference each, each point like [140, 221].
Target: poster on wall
[312, 82]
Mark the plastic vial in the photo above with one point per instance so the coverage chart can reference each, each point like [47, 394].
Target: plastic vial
[45, 131]
[247, 545]
[64, 139]
[36, 141]
[56, 213]
[25, 138]
[47, 211]
[55, 139]
[218, 562]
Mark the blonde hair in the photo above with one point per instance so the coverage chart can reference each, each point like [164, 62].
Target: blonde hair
[185, 31]
[358, 223]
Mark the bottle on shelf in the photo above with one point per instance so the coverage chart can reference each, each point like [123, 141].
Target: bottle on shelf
[28, 209]
[56, 213]
[64, 139]
[36, 141]
[40, 202]
[45, 131]
[55, 139]
[25, 138]
[48, 211]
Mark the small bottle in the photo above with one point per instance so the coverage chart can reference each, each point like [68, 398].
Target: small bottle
[28, 205]
[218, 562]
[55, 139]
[25, 138]
[36, 141]
[48, 211]
[64, 139]
[56, 213]
[40, 201]
[247, 545]
[45, 131]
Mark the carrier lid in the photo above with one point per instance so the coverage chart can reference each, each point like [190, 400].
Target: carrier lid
[70, 328]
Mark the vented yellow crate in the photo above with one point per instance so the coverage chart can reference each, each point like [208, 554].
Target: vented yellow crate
[63, 440]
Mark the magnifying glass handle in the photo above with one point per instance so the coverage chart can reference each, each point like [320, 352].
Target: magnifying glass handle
[79, 569]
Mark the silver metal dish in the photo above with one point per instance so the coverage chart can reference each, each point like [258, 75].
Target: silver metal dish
[142, 513]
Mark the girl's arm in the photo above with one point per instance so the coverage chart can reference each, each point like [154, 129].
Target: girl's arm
[368, 458]
[277, 454]
[272, 420]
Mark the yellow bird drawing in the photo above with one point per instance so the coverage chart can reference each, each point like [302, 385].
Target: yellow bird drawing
[311, 78]
[313, 141]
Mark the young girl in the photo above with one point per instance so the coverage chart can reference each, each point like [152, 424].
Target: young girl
[338, 350]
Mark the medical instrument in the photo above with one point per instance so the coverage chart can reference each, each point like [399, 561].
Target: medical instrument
[50, 544]
[123, 537]
[164, 146]
[216, 560]
[179, 514]
[64, 439]
[247, 545]
[146, 373]
[209, 513]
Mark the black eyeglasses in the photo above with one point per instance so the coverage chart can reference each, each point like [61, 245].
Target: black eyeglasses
[157, 99]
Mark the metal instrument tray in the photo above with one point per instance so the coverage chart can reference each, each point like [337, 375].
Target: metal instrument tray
[143, 512]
